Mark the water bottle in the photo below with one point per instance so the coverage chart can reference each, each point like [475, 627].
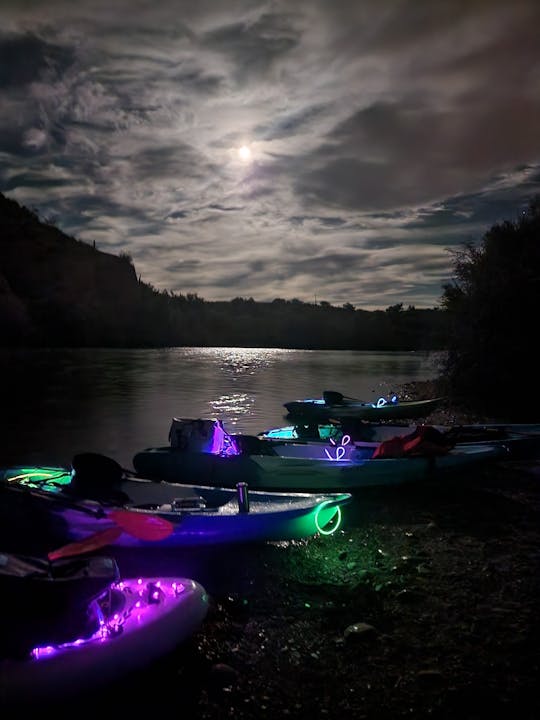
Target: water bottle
[243, 497]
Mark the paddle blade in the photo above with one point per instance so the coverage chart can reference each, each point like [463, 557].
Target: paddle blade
[89, 544]
[142, 526]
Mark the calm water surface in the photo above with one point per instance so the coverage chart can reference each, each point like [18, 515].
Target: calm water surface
[116, 402]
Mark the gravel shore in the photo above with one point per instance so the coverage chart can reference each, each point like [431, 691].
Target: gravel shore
[425, 605]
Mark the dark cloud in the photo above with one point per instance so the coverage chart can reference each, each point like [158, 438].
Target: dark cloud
[254, 46]
[325, 222]
[222, 208]
[197, 81]
[26, 58]
[288, 124]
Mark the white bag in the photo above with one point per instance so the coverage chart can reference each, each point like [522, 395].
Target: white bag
[197, 435]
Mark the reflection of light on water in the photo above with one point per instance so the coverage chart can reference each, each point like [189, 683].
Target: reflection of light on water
[242, 366]
[242, 361]
[231, 408]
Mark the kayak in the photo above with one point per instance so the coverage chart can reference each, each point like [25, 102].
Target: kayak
[173, 515]
[73, 625]
[520, 440]
[334, 405]
[306, 466]
[302, 467]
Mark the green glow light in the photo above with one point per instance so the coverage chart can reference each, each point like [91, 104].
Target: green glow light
[28, 477]
[336, 519]
[38, 477]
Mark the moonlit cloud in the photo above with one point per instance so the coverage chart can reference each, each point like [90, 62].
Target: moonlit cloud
[380, 135]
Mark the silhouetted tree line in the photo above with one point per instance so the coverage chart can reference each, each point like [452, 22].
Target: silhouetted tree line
[493, 308]
[58, 291]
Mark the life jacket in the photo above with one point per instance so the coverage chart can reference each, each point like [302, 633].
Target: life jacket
[424, 440]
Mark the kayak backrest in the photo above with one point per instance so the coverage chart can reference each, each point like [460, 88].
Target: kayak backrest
[96, 477]
[331, 397]
[253, 445]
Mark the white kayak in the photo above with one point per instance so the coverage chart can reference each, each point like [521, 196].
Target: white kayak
[122, 627]
[181, 515]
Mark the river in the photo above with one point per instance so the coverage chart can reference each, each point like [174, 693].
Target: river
[59, 402]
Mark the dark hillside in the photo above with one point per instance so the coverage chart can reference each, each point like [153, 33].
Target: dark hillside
[58, 291]
[55, 289]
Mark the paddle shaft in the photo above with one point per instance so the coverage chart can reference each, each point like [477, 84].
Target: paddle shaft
[143, 526]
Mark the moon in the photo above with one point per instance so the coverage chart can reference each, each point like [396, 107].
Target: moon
[244, 153]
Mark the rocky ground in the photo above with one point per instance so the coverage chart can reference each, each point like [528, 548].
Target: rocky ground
[424, 605]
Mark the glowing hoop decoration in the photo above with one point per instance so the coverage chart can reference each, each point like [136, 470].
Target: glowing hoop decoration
[340, 449]
[334, 527]
[382, 401]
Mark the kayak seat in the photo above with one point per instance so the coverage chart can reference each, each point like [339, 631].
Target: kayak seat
[96, 477]
[253, 445]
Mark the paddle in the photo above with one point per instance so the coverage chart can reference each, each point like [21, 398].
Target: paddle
[144, 527]
[92, 542]
[331, 397]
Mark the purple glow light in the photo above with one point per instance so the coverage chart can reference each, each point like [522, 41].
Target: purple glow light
[108, 627]
[340, 449]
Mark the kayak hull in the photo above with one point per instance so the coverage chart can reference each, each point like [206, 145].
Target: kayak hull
[313, 467]
[521, 441]
[401, 410]
[197, 514]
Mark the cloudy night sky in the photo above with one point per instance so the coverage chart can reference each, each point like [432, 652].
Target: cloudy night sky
[324, 150]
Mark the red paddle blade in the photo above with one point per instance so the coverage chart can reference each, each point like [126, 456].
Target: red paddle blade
[93, 542]
[142, 526]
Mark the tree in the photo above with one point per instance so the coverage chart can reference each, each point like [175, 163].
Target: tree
[493, 302]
